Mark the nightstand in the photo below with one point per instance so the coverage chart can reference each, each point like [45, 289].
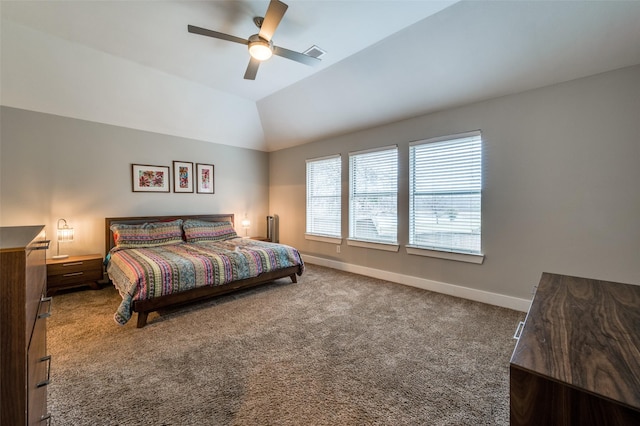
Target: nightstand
[260, 238]
[74, 271]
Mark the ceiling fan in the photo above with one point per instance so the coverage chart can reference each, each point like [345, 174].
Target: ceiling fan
[261, 45]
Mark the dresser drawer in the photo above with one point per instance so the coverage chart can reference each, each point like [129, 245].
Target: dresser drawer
[36, 275]
[38, 370]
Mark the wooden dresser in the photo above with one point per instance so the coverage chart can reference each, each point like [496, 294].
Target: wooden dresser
[577, 361]
[24, 364]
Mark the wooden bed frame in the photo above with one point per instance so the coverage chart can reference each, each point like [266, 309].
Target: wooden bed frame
[144, 307]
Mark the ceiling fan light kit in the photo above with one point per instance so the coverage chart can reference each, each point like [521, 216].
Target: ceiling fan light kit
[260, 48]
[261, 45]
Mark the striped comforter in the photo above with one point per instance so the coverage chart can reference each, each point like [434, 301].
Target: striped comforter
[145, 273]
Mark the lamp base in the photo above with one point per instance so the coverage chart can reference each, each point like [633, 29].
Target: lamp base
[60, 256]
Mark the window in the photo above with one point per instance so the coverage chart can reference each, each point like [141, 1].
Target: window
[373, 195]
[323, 196]
[445, 184]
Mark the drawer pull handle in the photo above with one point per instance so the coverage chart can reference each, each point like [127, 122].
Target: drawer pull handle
[46, 417]
[45, 382]
[48, 313]
[73, 274]
[519, 330]
[41, 245]
[72, 264]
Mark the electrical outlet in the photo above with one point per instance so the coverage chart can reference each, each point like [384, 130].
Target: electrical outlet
[337, 249]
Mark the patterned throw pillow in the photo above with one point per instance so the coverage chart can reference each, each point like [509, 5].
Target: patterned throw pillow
[148, 234]
[199, 230]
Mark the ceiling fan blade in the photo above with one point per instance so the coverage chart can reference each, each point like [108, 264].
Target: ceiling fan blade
[295, 56]
[252, 69]
[272, 19]
[215, 34]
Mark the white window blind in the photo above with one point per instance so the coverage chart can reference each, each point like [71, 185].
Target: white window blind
[445, 185]
[324, 196]
[373, 195]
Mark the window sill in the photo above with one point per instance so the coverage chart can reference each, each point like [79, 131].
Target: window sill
[372, 245]
[460, 257]
[323, 238]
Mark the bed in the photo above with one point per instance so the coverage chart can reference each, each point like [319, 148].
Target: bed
[157, 262]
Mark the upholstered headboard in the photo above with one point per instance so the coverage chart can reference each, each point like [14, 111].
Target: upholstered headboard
[136, 220]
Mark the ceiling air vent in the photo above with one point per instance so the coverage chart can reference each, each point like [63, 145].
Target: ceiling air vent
[315, 52]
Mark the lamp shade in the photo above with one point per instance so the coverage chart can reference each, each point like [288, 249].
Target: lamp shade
[65, 235]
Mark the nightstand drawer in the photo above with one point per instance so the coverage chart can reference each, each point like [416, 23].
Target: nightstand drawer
[73, 277]
[71, 265]
[73, 271]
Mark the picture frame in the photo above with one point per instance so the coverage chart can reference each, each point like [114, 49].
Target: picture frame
[182, 176]
[147, 178]
[205, 179]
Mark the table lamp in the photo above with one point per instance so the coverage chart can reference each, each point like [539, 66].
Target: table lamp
[65, 235]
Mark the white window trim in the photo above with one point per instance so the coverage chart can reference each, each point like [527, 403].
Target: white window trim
[319, 237]
[377, 245]
[323, 238]
[469, 134]
[326, 157]
[477, 258]
[373, 245]
[368, 151]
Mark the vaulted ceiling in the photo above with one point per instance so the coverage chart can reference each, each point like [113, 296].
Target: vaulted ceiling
[133, 63]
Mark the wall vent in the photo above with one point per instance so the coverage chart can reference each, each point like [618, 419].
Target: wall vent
[315, 52]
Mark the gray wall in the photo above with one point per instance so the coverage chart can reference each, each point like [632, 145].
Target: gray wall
[54, 167]
[561, 186]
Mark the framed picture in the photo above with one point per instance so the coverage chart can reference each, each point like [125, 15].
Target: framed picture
[147, 178]
[182, 176]
[204, 175]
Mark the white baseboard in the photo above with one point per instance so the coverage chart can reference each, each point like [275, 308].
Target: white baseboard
[495, 299]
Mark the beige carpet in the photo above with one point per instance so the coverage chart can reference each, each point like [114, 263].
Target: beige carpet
[334, 349]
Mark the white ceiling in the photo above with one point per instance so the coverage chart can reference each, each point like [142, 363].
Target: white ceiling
[386, 61]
